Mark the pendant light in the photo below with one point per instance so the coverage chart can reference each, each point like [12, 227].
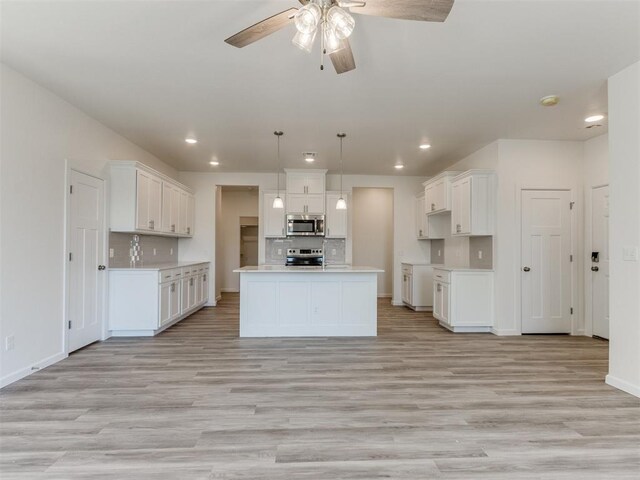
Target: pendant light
[341, 204]
[277, 202]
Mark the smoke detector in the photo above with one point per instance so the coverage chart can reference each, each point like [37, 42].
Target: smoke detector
[549, 101]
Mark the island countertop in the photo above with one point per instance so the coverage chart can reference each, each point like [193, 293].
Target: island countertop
[306, 269]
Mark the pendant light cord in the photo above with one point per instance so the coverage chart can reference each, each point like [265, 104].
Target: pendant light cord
[278, 134]
[341, 137]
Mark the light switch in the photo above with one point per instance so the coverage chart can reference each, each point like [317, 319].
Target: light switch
[154, 251]
[479, 254]
[630, 254]
[112, 253]
[439, 252]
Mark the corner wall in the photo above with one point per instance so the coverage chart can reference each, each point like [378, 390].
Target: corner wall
[41, 133]
[624, 228]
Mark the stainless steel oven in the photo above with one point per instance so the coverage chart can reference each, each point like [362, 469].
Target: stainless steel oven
[307, 257]
[305, 225]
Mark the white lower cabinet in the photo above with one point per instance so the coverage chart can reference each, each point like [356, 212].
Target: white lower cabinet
[463, 299]
[144, 301]
[417, 290]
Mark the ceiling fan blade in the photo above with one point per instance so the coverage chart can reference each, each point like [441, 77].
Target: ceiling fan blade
[343, 59]
[262, 29]
[422, 10]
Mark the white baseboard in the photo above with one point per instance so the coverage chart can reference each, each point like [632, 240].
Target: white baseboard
[229, 290]
[503, 332]
[385, 295]
[25, 372]
[396, 303]
[623, 385]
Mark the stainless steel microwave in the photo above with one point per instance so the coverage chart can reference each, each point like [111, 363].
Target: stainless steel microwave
[305, 225]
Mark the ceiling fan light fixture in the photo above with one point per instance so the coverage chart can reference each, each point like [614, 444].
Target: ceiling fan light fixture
[307, 18]
[341, 22]
[332, 43]
[304, 41]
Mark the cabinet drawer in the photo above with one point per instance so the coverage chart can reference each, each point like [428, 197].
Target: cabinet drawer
[443, 276]
[169, 275]
[407, 269]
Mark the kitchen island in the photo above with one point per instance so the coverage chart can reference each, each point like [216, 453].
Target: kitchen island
[279, 301]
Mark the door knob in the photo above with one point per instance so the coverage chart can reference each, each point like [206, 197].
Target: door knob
[526, 269]
[101, 267]
[595, 268]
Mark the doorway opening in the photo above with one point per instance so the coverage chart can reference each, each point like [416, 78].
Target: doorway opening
[372, 229]
[236, 233]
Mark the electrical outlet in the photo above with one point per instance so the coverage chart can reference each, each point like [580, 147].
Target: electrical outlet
[154, 252]
[112, 253]
[479, 254]
[630, 254]
[439, 252]
[10, 343]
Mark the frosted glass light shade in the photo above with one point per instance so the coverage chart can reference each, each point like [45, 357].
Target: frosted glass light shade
[341, 204]
[341, 22]
[304, 41]
[277, 202]
[307, 18]
[331, 41]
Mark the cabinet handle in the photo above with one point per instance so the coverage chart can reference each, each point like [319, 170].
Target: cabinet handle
[189, 230]
[173, 287]
[439, 287]
[191, 282]
[458, 228]
[283, 231]
[151, 224]
[173, 227]
[204, 277]
[433, 207]
[420, 233]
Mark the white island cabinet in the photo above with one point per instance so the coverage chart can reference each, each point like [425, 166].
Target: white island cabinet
[143, 301]
[278, 301]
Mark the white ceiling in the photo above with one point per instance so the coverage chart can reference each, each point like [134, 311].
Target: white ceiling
[158, 71]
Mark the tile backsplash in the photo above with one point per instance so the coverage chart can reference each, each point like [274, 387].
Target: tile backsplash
[166, 250]
[481, 246]
[273, 245]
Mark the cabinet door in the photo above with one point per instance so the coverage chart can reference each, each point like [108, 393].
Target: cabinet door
[184, 294]
[176, 194]
[191, 214]
[315, 183]
[205, 286]
[175, 300]
[142, 200]
[336, 220]
[456, 206]
[165, 303]
[167, 190]
[183, 210]
[406, 289]
[315, 203]
[439, 195]
[437, 300]
[193, 291]
[421, 218]
[273, 218]
[464, 219]
[155, 203]
[429, 198]
[445, 302]
[296, 183]
[296, 203]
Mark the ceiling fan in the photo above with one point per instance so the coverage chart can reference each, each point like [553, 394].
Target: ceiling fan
[332, 19]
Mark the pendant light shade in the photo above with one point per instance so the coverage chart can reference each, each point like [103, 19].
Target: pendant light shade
[341, 204]
[277, 202]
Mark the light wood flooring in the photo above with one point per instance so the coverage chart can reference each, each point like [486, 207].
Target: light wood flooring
[417, 402]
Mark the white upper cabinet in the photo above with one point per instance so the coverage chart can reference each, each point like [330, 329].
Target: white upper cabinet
[306, 181]
[336, 221]
[437, 191]
[273, 224]
[473, 203]
[145, 201]
[422, 227]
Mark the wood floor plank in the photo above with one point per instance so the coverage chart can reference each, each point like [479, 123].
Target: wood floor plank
[416, 402]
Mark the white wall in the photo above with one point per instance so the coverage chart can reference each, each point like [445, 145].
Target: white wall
[406, 246]
[235, 204]
[39, 132]
[624, 227]
[526, 164]
[372, 230]
[595, 174]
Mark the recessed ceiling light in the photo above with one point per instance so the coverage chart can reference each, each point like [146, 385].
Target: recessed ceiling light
[214, 163]
[309, 157]
[399, 166]
[425, 146]
[594, 118]
[190, 140]
[549, 101]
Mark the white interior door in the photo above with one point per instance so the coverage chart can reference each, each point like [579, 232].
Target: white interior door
[85, 286]
[546, 264]
[600, 265]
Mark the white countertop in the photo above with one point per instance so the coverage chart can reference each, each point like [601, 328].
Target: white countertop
[461, 269]
[428, 264]
[161, 266]
[295, 269]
